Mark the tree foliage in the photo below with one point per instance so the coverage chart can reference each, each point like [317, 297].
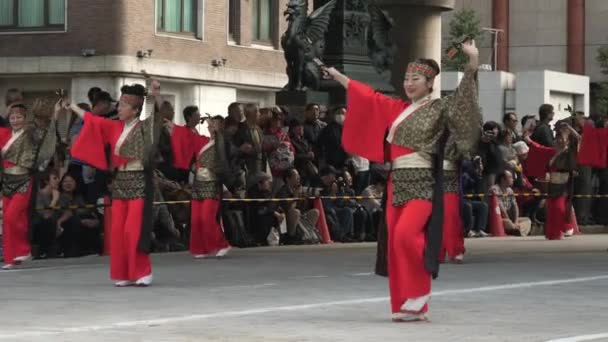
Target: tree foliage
[464, 23]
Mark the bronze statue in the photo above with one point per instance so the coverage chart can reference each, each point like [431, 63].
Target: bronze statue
[303, 42]
[380, 47]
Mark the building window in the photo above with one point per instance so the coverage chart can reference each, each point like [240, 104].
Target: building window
[233, 19]
[177, 16]
[262, 20]
[32, 15]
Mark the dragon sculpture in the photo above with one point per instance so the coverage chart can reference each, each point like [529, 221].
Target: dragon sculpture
[380, 47]
[304, 42]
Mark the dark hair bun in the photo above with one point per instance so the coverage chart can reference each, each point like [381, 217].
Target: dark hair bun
[135, 89]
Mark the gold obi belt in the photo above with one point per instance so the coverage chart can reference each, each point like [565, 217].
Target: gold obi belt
[419, 160]
[16, 171]
[559, 177]
[205, 175]
[133, 165]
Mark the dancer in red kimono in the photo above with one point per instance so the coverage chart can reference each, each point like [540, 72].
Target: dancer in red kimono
[453, 232]
[24, 151]
[132, 140]
[421, 134]
[560, 163]
[206, 235]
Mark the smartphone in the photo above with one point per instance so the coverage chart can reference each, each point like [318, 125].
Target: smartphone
[455, 48]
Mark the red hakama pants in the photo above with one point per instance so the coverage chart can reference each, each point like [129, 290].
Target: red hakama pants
[206, 236]
[409, 281]
[15, 240]
[126, 261]
[556, 222]
[453, 237]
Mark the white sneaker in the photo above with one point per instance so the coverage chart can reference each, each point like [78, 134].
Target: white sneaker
[222, 252]
[145, 281]
[569, 232]
[481, 233]
[471, 234]
[124, 283]
[459, 259]
[23, 258]
[9, 267]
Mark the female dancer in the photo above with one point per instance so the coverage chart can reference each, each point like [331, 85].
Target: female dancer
[206, 236]
[418, 131]
[24, 151]
[560, 162]
[132, 140]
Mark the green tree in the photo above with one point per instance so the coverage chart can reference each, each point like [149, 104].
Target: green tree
[464, 23]
[599, 90]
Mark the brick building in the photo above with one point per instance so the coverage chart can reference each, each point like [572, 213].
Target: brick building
[208, 53]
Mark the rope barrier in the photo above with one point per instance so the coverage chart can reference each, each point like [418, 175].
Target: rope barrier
[293, 199]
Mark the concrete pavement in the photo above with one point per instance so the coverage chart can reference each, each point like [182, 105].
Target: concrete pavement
[509, 289]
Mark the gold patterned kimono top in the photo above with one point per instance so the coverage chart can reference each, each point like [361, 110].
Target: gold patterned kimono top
[415, 138]
[132, 146]
[23, 153]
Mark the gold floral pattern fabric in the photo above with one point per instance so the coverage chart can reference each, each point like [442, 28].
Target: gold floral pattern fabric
[464, 118]
[450, 182]
[205, 190]
[422, 129]
[412, 183]
[128, 185]
[22, 152]
[208, 158]
[15, 184]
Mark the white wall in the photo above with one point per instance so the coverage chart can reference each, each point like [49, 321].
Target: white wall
[532, 88]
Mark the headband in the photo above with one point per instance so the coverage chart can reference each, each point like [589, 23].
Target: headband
[421, 69]
[133, 100]
[18, 108]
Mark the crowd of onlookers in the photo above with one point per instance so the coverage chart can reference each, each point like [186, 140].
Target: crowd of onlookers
[275, 154]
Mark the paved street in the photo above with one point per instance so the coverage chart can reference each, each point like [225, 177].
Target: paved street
[508, 290]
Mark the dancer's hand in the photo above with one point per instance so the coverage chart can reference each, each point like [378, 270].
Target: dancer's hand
[470, 49]
[169, 125]
[334, 74]
[155, 88]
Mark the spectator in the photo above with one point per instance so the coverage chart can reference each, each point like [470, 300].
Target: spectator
[44, 222]
[505, 140]
[340, 220]
[93, 91]
[360, 168]
[374, 205]
[361, 219]
[509, 122]
[235, 112]
[249, 139]
[543, 133]
[304, 155]
[513, 223]
[330, 141]
[312, 124]
[79, 229]
[474, 210]
[277, 147]
[490, 154]
[263, 216]
[301, 219]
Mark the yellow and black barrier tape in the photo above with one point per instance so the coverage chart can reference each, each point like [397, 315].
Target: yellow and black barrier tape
[293, 199]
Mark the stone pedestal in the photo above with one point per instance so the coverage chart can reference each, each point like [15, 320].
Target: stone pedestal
[296, 101]
[417, 33]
